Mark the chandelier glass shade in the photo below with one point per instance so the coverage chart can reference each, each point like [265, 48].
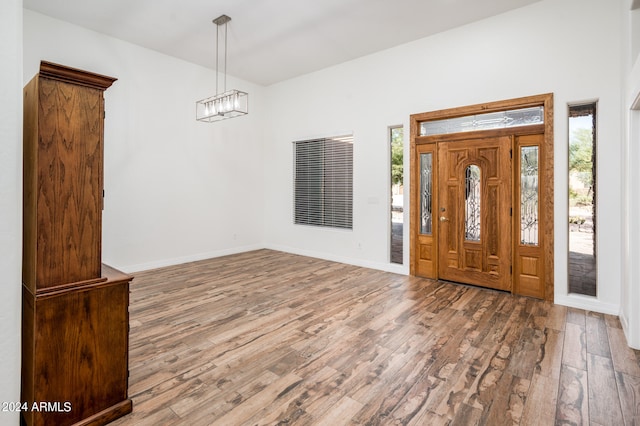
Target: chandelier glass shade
[228, 103]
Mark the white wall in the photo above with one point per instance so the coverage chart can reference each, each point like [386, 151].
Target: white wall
[176, 189]
[11, 205]
[629, 312]
[630, 300]
[569, 47]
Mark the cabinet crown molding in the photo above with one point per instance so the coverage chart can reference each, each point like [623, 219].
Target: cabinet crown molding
[74, 75]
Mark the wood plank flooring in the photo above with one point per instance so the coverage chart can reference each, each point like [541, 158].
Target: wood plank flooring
[266, 338]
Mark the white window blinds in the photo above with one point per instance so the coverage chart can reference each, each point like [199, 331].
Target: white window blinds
[323, 182]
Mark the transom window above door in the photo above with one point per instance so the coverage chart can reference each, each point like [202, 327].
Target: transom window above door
[486, 121]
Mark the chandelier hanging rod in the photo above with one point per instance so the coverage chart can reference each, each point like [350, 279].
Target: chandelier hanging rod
[219, 21]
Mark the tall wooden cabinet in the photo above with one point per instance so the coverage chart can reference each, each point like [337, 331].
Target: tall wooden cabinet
[75, 310]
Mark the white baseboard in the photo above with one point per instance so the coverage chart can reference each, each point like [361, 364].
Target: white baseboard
[634, 344]
[184, 259]
[386, 267]
[588, 304]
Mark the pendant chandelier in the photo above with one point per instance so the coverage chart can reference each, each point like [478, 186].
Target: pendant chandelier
[228, 103]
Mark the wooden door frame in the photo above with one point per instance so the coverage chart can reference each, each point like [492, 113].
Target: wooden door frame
[545, 175]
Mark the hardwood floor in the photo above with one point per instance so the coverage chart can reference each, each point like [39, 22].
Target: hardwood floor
[273, 338]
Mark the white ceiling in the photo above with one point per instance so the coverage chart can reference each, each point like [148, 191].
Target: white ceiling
[272, 40]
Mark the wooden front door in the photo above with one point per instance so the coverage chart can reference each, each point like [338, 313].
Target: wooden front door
[474, 211]
[482, 198]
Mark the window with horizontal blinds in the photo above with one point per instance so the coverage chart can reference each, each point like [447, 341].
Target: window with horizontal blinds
[323, 182]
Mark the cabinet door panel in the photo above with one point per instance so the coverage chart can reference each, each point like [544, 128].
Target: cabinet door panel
[69, 183]
[81, 348]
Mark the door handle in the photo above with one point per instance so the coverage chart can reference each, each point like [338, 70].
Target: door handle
[443, 219]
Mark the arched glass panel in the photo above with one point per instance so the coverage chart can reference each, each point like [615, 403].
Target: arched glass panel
[472, 203]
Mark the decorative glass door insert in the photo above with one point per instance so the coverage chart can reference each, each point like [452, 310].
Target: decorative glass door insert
[426, 182]
[472, 203]
[529, 195]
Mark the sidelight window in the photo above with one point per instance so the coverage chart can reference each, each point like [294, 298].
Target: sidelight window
[582, 199]
[396, 151]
